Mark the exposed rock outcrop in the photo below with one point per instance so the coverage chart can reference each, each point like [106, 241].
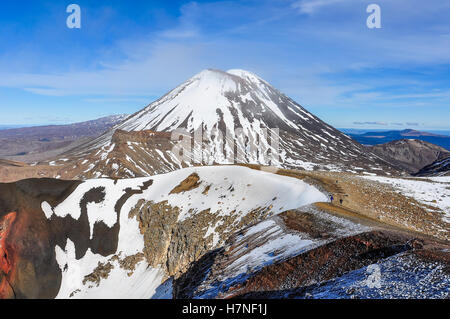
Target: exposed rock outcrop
[411, 155]
[440, 167]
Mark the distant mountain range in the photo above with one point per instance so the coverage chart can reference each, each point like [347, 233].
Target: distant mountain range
[7, 127]
[374, 138]
[35, 143]
[362, 131]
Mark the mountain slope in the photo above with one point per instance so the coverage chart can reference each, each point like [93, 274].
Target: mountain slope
[30, 144]
[251, 115]
[410, 154]
[440, 167]
[209, 232]
[81, 239]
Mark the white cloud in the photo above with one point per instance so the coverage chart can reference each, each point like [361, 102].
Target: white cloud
[371, 123]
[311, 6]
[179, 33]
[153, 65]
[149, 70]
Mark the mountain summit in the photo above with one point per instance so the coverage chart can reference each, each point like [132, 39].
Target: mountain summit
[236, 98]
[216, 101]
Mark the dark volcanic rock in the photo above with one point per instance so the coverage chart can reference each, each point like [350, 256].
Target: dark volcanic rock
[412, 155]
[27, 238]
[337, 267]
[440, 167]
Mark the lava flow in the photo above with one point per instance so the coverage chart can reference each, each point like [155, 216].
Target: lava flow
[6, 260]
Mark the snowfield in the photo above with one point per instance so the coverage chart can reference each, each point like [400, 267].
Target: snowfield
[252, 189]
[433, 191]
[269, 242]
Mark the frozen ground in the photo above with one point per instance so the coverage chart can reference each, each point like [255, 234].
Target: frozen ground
[232, 190]
[433, 191]
[401, 276]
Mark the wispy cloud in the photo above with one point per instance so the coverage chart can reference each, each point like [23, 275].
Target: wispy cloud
[381, 123]
[325, 61]
[179, 33]
[370, 123]
[311, 6]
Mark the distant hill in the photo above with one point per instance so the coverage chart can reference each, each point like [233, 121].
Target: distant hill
[88, 128]
[7, 127]
[374, 138]
[410, 154]
[29, 144]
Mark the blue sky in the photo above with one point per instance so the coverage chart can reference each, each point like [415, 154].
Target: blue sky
[319, 52]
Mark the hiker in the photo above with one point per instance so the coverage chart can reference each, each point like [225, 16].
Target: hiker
[331, 198]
